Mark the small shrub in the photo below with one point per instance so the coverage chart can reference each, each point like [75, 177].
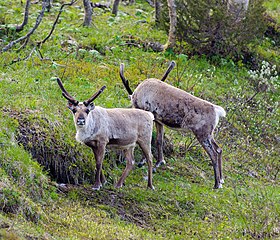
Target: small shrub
[265, 78]
[210, 29]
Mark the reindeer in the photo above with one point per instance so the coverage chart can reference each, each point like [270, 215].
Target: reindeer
[179, 110]
[118, 128]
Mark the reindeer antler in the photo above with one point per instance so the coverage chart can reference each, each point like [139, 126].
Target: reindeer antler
[124, 80]
[66, 94]
[94, 96]
[170, 67]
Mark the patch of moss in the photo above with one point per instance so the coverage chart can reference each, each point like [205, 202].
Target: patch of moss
[65, 162]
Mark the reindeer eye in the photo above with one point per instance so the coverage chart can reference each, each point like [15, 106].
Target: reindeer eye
[87, 111]
[74, 110]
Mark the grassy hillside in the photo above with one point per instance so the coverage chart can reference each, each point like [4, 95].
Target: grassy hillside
[38, 151]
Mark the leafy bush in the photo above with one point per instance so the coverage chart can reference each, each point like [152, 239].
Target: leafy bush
[209, 28]
[265, 79]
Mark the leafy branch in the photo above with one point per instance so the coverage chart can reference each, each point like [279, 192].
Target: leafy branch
[56, 21]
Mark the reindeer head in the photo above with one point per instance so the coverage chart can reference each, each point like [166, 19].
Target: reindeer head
[80, 110]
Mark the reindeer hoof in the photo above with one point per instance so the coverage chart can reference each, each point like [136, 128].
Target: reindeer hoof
[222, 181]
[218, 186]
[96, 188]
[151, 187]
[158, 165]
[104, 183]
[119, 184]
[141, 164]
[162, 162]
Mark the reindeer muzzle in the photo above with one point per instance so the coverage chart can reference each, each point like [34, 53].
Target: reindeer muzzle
[81, 121]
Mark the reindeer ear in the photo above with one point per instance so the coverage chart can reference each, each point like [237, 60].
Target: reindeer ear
[71, 106]
[91, 106]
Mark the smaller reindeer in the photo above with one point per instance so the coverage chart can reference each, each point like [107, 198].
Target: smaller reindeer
[118, 128]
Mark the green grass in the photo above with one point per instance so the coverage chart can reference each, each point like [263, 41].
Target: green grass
[273, 9]
[183, 204]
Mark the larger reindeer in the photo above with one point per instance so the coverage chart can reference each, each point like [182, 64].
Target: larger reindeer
[180, 110]
[98, 127]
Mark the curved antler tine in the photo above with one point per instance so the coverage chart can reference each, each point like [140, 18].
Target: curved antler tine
[121, 71]
[70, 99]
[170, 67]
[61, 86]
[65, 93]
[94, 96]
[125, 82]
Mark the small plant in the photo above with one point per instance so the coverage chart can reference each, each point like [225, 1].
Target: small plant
[265, 79]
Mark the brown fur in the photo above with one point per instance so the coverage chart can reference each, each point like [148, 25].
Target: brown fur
[180, 110]
[99, 128]
[119, 129]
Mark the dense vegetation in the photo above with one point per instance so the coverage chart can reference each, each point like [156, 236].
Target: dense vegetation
[38, 151]
[222, 30]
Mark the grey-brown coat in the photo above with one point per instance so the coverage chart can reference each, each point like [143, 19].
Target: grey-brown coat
[117, 128]
[180, 110]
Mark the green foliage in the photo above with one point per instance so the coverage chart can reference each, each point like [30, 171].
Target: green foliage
[210, 28]
[273, 9]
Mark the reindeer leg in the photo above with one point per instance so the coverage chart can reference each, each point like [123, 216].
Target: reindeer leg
[142, 162]
[146, 148]
[128, 167]
[102, 177]
[159, 141]
[219, 152]
[99, 152]
[208, 146]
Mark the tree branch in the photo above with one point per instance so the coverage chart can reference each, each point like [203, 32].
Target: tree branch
[56, 21]
[23, 45]
[25, 19]
[38, 21]
[23, 59]
[173, 22]
[88, 13]
[115, 7]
